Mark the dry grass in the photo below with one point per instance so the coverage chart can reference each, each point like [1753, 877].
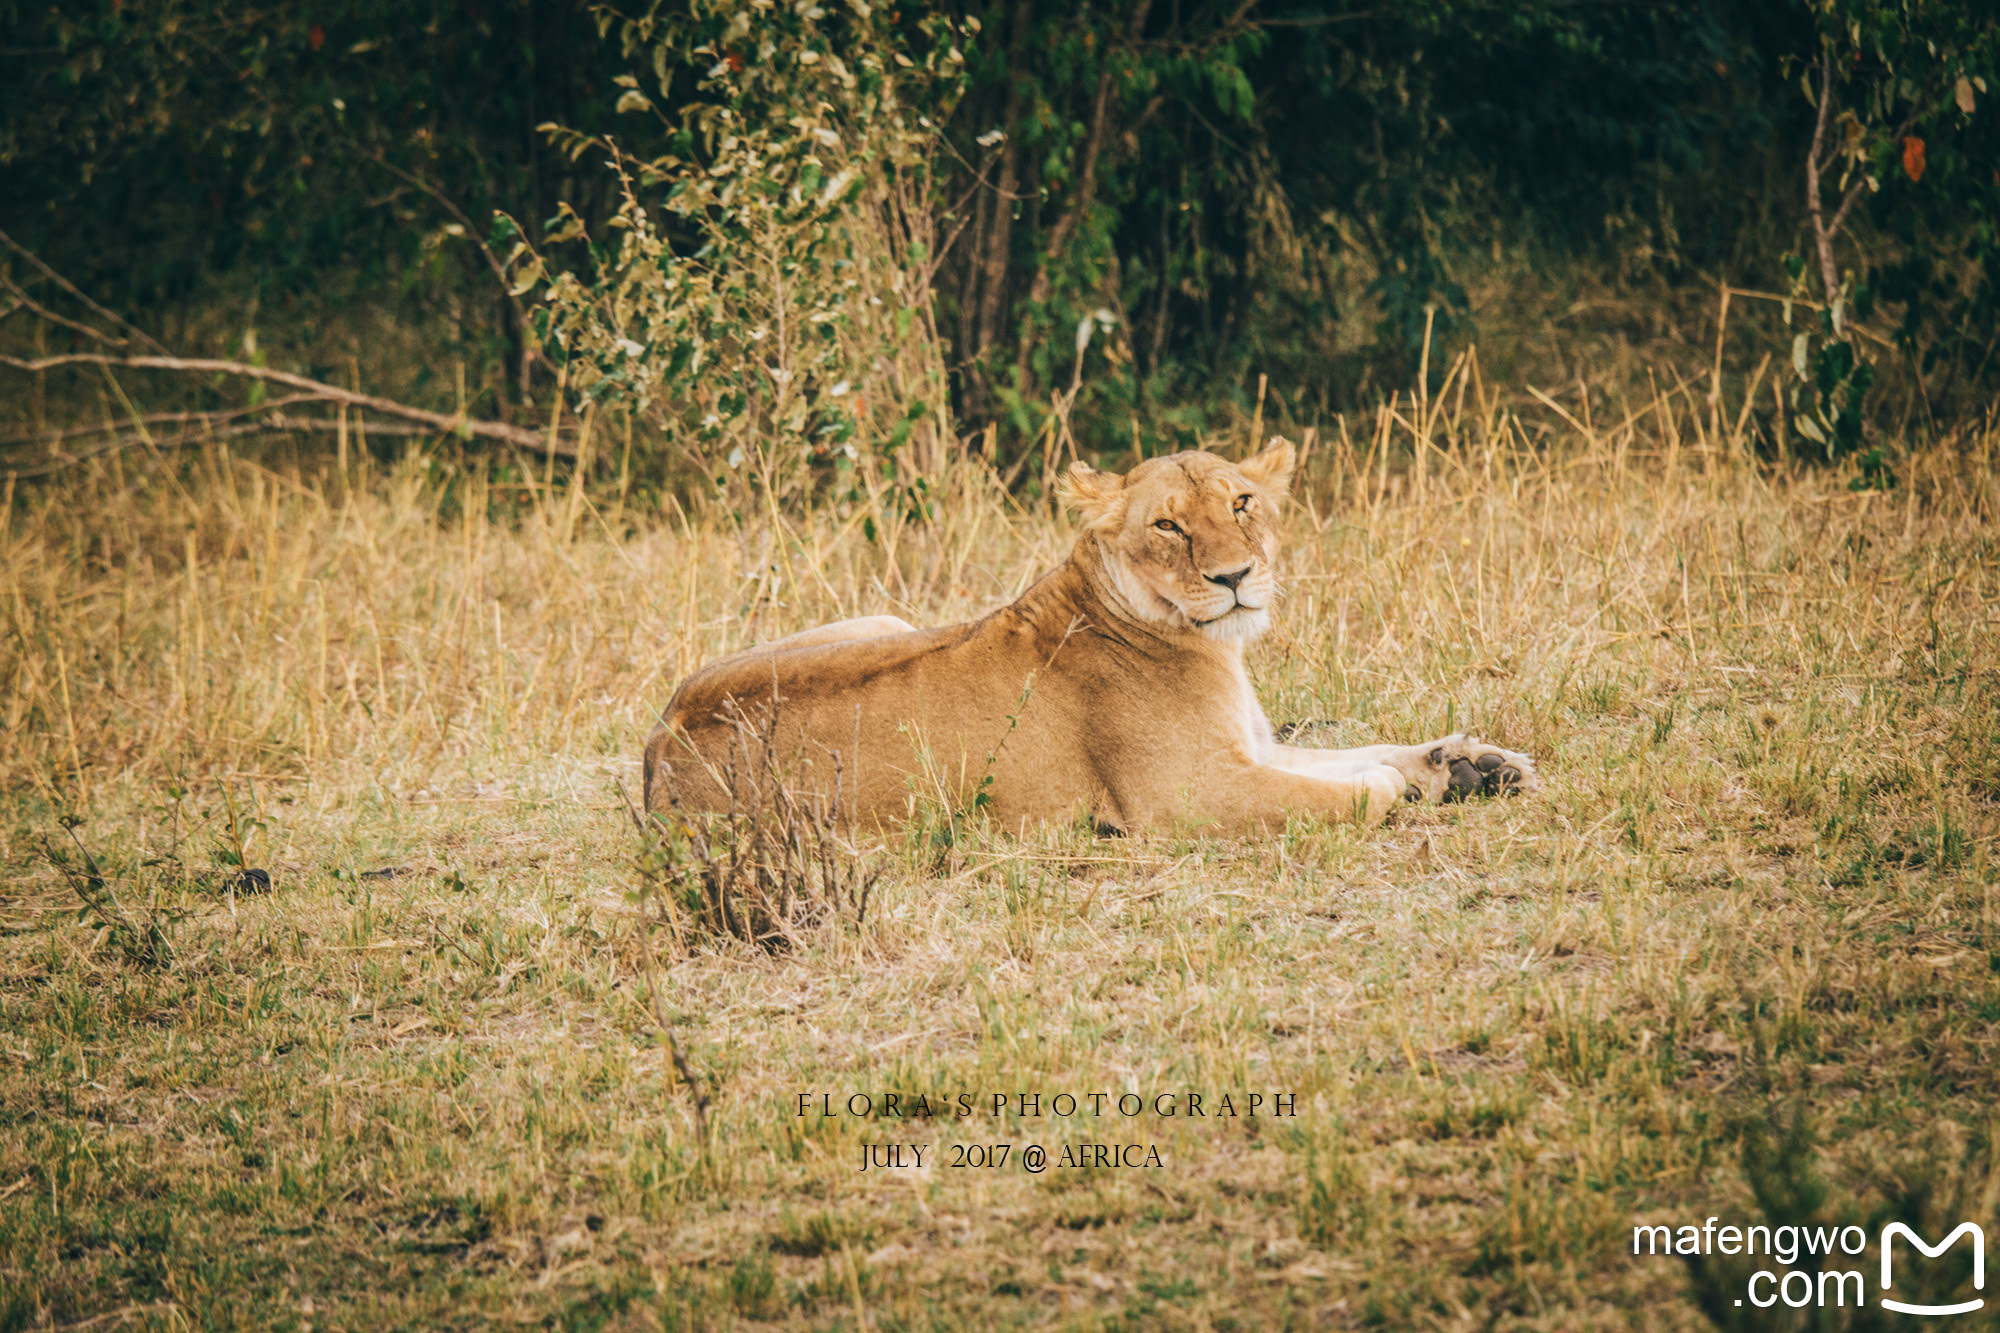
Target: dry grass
[420, 1082]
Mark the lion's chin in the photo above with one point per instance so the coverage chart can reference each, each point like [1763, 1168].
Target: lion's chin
[1238, 626]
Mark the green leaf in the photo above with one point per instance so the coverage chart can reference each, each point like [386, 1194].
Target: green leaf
[526, 277]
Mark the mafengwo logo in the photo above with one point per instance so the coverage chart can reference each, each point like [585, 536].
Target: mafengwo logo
[1972, 1229]
[1806, 1272]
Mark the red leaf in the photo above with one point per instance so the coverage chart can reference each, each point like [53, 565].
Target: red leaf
[735, 61]
[1913, 158]
[316, 38]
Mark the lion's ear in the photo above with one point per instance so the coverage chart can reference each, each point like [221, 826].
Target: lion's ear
[1272, 469]
[1099, 497]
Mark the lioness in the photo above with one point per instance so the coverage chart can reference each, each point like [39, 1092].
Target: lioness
[1115, 684]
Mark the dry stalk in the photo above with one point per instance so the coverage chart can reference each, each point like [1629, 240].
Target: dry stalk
[698, 1092]
[781, 859]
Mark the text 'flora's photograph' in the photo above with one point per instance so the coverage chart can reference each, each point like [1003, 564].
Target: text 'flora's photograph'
[921, 665]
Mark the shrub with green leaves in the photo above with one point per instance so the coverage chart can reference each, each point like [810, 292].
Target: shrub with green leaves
[1886, 83]
[762, 293]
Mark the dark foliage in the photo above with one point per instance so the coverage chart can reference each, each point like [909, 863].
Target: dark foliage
[1239, 188]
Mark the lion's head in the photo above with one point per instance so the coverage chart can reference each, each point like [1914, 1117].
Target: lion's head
[1188, 539]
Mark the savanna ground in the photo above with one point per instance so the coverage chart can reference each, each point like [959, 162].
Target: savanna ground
[1740, 958]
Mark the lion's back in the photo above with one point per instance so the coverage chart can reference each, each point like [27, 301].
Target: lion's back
[820, 688]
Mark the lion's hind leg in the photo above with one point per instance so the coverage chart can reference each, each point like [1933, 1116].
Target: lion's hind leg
[839, 631]
[716, 708]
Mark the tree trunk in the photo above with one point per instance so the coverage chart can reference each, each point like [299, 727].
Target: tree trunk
[966, 346]
[1829, 271]
[994, 263]
[1086, 185]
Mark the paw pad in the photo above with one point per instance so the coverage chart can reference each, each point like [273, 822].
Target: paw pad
[1466, 780]
[1499, 778]
[1488, 775]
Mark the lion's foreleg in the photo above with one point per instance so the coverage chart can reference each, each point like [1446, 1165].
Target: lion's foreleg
[1449, 768]
[1424, 771]
[1260, 797]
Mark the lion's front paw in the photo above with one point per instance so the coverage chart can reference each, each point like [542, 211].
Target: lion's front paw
[1479, 769]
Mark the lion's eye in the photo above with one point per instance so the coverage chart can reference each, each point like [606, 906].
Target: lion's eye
[1167, 525]
[1242, 503]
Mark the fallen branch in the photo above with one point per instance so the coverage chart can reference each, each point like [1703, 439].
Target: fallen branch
[442, 422]
[277, 423]
[206, 419]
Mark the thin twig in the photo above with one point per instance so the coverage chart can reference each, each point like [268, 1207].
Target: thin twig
[1806, 304]
[493, 261]
[146, 944]
[23, 301]
[90, 886]
[70, 287]
[697, 1091]
[1829, 273]
[445, 202]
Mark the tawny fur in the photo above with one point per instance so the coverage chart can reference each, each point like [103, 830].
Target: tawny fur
[1137, 708]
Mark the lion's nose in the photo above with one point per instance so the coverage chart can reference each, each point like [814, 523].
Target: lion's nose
[1230, 578]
